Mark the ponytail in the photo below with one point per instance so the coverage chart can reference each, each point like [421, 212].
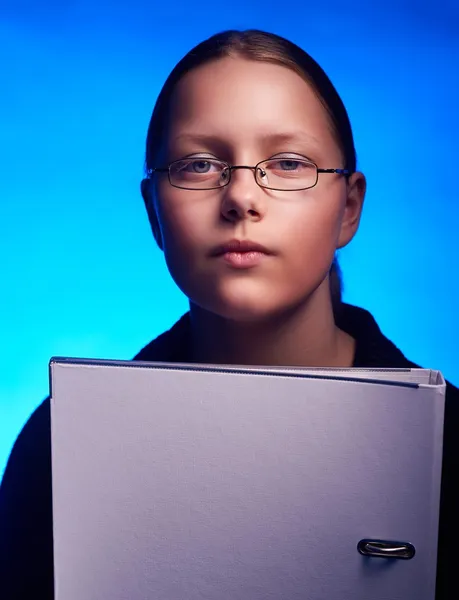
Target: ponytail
[336, 286]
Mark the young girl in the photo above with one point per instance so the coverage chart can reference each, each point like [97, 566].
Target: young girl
[251, 186]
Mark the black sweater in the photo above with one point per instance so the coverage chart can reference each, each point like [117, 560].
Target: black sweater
[26, 542]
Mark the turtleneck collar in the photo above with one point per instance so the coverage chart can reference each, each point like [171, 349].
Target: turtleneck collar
[373, 349]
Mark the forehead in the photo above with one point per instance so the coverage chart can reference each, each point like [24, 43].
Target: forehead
[242, 101]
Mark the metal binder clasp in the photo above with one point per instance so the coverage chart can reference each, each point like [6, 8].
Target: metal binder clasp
[386, 549]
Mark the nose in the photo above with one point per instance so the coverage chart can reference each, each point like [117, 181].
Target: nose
[243, 198]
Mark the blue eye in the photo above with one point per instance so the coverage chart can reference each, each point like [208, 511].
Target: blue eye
[294, 166]
[199, 166]
[289, 164]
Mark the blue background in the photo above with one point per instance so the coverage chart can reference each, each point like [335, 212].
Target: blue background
[80, 273]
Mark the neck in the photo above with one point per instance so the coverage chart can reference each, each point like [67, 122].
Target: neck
[307, 336]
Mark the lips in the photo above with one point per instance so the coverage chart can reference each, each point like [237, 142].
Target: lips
[240, 246]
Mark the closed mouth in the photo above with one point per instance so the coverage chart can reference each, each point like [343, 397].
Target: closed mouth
[240, 247]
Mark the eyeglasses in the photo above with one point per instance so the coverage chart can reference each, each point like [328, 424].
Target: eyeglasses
[280, 174]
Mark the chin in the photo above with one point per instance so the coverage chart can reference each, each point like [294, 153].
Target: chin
[249, 302]
[245, 312]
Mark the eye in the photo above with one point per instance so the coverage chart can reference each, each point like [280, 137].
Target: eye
[199, 166]
[289, 164]
[196, 170]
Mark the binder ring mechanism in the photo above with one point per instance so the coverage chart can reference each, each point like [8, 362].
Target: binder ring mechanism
[386, 549]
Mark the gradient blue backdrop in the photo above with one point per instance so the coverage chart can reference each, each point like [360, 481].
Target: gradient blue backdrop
[81, 275]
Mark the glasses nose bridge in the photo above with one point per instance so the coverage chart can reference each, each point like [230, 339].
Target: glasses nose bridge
[239, 167]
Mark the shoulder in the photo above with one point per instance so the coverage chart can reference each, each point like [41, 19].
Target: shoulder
[33, 444]
[453, 392]
[29, 465]
[451, 430]
[28, 473]
[374, 349]
[450, 433]
[171, 346]
[26, 542]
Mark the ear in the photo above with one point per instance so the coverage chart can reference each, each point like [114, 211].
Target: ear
[356, 188]
[147, 195]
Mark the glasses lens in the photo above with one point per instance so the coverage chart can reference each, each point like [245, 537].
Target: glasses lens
[198, 173]
[287, 174]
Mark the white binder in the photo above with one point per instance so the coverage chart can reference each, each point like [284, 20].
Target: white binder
[197, 482]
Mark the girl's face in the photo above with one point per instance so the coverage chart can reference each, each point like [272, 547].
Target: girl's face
[243, 112]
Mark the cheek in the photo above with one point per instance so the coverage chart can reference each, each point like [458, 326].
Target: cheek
[308, 235]
[310, 227]
[185, 227]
